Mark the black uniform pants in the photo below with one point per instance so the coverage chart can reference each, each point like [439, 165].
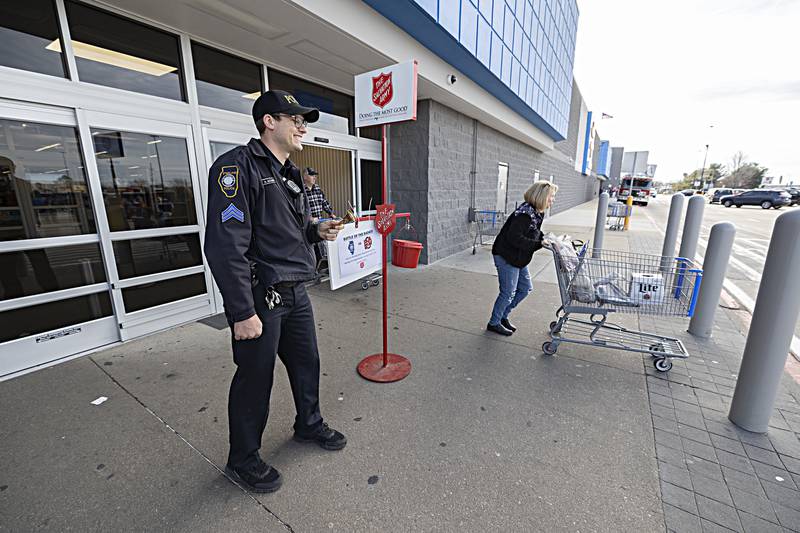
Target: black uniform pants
[288, 331]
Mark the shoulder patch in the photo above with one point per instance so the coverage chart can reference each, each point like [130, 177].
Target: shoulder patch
[232, 212]
[229, 180]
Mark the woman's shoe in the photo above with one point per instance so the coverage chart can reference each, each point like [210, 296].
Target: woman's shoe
[499, 329]
[508, 325]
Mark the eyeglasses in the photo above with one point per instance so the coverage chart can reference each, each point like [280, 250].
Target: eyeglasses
[299, 121]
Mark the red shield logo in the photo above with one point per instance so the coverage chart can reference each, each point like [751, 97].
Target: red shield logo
[385, 219]
[382, 91]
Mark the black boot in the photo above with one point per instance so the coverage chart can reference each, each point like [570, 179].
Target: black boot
[508, 325]
[499, 329]
[325, 437]
[259, 477]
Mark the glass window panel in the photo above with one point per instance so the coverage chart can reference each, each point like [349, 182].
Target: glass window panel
[429, 6]
[219, 148]
[497, 55]
[19, 323]
[506, 75]
[528, 19]
[485, 7]
[508, 28]
[117, 52]
[49, 269]
[448, 16]
[146, 180]
[140, 257]
[29, 37]
[313, 95]
[518, 40]
[371, 184]
[161, 292]
[225, 81]
[497, 16]
[484, 41]
[43, 184]
[523, 85]
[469, 25]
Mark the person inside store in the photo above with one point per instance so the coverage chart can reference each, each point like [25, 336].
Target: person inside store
[259, 246]
[316, 198]
[513, 249]
[319, 205]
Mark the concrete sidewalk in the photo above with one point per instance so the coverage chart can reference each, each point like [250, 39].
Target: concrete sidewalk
[486, 434]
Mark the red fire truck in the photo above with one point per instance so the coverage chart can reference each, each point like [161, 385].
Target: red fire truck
[642, 189]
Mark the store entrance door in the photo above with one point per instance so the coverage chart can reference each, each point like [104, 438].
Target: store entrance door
[55, 295]
[150, 220]
[335, 174]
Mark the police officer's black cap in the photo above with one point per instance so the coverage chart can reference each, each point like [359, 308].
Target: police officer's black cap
[281, 103]
[311, 171]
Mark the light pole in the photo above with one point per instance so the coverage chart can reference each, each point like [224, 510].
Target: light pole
[703, 171]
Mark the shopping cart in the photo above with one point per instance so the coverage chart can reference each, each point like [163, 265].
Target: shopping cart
[599, 282]
[487, 225]
[615, 216]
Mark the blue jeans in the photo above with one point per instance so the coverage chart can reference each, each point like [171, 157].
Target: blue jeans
[515, 284]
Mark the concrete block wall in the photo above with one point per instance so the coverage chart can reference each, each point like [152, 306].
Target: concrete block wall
[408, 154]
[431, 160]
[450, 163]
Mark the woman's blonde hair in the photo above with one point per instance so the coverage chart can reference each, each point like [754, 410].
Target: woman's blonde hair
[538, 194]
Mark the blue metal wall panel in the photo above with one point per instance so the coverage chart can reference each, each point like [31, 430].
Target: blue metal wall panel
[521, 51]
[604, 159]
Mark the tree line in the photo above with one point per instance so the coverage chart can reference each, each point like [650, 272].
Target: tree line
[738, 174]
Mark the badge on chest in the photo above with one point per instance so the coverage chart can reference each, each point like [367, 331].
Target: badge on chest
[294, 189]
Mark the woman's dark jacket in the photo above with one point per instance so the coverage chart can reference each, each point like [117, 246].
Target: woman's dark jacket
[520, 236]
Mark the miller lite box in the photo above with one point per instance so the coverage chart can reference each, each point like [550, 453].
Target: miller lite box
[647, 288]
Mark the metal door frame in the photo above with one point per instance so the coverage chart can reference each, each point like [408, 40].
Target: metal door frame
[46, 348]
[137, 323]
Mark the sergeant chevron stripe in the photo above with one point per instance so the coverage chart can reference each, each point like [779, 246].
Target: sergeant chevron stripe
[232, 212]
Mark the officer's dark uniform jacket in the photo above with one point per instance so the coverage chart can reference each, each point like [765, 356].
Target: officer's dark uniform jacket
[253, 217]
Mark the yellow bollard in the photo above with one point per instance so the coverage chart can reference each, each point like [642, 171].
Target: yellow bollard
[629, 203]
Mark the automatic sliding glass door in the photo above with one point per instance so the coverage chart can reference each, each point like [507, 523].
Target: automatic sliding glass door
[151, 221]
[54, 291]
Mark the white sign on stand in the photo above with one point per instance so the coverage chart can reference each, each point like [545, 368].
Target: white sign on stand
[355, 253]
[386, 95]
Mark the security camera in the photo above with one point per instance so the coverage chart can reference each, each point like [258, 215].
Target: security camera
[452, 79]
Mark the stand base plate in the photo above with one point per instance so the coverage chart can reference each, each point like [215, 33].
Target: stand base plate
[397, 367]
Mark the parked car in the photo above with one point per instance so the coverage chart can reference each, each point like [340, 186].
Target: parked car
[715, 194]
[793, 191]
[764, 198]
[688, 192]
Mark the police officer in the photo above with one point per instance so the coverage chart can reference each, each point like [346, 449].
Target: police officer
[259, 245]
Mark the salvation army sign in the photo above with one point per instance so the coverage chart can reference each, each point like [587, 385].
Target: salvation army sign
[384, 218]
[382, 90]
[387, 95]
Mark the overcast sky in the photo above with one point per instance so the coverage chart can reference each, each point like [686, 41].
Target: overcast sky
[668, 70]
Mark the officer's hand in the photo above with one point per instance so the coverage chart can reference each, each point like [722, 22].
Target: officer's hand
[247, 329]
[329, 229]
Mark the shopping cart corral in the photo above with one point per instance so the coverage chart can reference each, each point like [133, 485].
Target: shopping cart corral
[615, 216]
[487, 224]
[595, 283]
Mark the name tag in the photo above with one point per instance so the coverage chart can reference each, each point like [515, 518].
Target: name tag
[269, 180]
